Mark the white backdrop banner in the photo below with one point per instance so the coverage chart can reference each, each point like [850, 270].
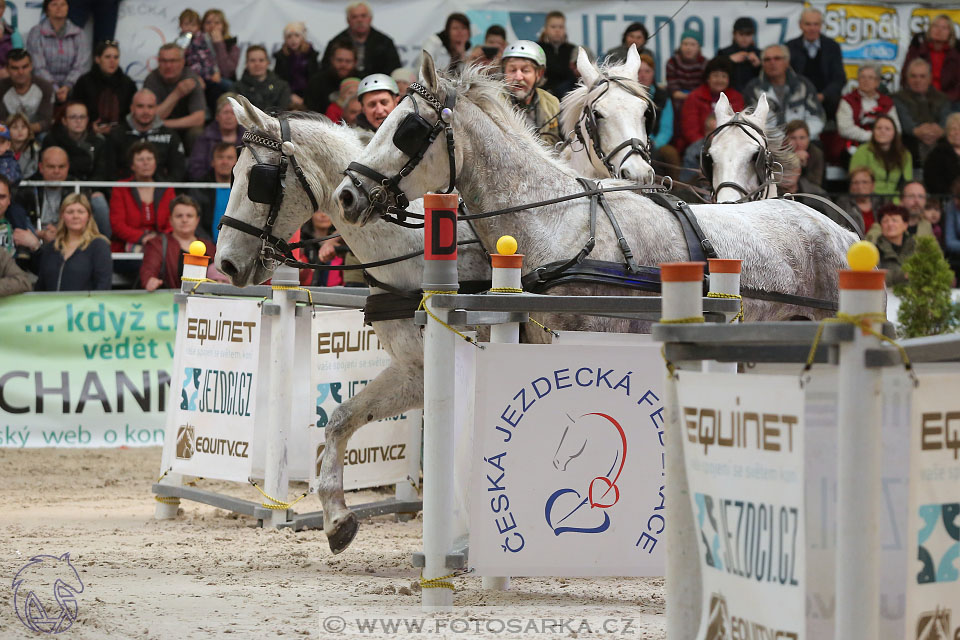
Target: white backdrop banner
[567, 463]
[345, 357]
[867, 32]
[743, 446]
[933, 557]
[215, 389]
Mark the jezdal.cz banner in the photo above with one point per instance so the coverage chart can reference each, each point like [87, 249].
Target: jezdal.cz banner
[85, 371]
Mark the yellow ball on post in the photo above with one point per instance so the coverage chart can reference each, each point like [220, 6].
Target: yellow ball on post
[197, 248]
[507, 245]
[863, 256]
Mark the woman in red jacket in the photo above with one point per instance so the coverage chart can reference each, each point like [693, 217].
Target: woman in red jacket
[701, 101]
[139, 213]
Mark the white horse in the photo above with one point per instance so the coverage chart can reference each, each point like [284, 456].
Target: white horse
[786, 247]
[605, 119]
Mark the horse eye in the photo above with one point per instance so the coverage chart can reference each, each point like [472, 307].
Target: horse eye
[598, 115]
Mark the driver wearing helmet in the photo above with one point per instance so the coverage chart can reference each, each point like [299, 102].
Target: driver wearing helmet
[524, 63]
[378, 95]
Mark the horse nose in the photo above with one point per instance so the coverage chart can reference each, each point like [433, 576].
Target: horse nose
[229, 269]
[350, 199]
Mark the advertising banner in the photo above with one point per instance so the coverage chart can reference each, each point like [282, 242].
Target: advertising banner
[80, 370]
[346, 356]
[217, 381]
[567, 464]
[743, 444]
[933, 555]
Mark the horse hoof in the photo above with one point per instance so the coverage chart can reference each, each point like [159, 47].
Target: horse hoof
[341, 537]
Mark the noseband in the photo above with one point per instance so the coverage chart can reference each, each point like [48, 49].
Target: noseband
[413, 137]
[763, 164]
[588, 118]
[267, 184]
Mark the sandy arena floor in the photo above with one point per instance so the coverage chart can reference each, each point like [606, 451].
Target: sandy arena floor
[210, 573]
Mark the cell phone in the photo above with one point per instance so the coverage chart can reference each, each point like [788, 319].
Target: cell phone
[490, 52]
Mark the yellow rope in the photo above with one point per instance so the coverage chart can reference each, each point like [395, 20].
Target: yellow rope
[423, 305]
[505, 290]
[862, 320]
[693, 320]
[280, 287]
[166, 499]
[198, 281]
[663, 349]
[278, 505]
[731, 296]
[441, 582]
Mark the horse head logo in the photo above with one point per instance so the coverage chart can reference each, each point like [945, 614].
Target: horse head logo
[45, 593]
[186, 442]
[718, 624]
[602, 439]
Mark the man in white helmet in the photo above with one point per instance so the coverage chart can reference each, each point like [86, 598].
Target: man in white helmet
[524, 63]
[378, 95]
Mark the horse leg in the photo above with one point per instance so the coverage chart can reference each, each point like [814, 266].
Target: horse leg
[398, 388]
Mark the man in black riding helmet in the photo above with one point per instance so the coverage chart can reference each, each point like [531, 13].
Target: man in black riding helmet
[378, 95]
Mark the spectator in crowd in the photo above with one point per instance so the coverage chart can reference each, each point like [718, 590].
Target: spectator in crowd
[60, 50]
[818, 58]
[375, 51]
[894, 244]
[139, 213]
[662, 130]
[143, 124]
[922, 110]
[179, 92]
[85, 149]
[701, 101]
[560, 75]
[790, 95]
[743, 54]
[77, 257]
[262, 87]
[216, 34]
[213, 202]
[189, 22]
[342, 63]
[346, 94]
[104, 12]
[162, 265]
[861, 201]
[378, 96]
[859, 109]
[318, 226]
[403, 77]
[810, 156]
[691, 156]
[939, 49]
[449, 47]
[296, 62]
[42, 204]
[685, 69]
[885, 156]
[24, 92]
[494, 42]
[24, 145]
[12, 279]
[14, 222]
[635, 33]
[10, 39]
[523, 67]
[105, 89]
[943, 164]
[9, 167]
[223, 128]
[793, 182]
[913, 198]
[933, 215]
[951, 227]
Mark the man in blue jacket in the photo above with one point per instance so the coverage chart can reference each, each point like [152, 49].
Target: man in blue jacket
[819, 59]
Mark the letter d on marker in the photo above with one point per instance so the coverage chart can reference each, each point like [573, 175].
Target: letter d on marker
[440, 240]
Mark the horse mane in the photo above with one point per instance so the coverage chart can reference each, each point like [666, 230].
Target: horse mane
[777, 145]
[576, 100]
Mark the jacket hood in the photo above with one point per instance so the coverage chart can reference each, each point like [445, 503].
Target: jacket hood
[156, 124]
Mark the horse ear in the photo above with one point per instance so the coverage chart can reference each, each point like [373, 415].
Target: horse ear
[723, 111]
[762, 110]
[588, 71]
[428, 73]
[632, 66]
[248, 115]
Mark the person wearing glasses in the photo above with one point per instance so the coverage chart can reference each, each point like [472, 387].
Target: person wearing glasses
[60, 49]
[105, 89]
[84, 148]
[790, 95]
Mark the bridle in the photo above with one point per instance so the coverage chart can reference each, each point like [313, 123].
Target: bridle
[589, 117]
[267, 184]
[764, 163]
[413, 137]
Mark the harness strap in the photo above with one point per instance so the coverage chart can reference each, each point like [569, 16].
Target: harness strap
[285, 136]
[846, 216]
[621, 241]
[554, 269]
[588, 193]
[397, 304]
[699, 246]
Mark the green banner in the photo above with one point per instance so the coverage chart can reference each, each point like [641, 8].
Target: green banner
[85, 370]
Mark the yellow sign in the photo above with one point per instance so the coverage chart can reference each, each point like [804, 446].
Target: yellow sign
[864, 31]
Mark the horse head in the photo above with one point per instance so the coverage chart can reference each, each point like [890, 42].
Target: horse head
[736, 157]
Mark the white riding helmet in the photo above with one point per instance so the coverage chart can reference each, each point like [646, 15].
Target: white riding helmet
[528, 50]
[378, 82]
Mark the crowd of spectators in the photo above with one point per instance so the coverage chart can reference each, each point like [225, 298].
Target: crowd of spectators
[69, 112]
